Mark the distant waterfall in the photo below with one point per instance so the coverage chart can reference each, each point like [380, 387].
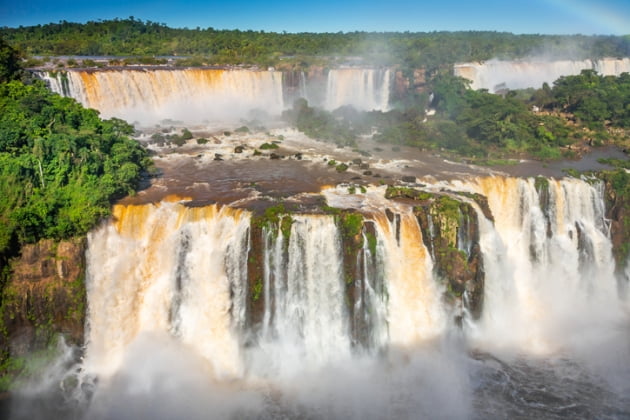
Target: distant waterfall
[190, 95]
[365, 89]
[496, 75]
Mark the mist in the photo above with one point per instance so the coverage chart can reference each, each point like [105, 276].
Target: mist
[532, 72]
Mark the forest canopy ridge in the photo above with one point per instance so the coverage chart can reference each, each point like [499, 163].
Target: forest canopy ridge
[135, 37]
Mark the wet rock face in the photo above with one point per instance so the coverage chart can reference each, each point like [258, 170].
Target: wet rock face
[451, 233]
[44, 296]
[618, 212]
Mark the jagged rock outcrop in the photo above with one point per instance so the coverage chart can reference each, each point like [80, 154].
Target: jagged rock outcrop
[450, 231]
[618, 213]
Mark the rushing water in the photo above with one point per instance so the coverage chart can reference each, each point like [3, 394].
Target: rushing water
[170, 331]
[365, 89]
[496, 75]
[194, 95]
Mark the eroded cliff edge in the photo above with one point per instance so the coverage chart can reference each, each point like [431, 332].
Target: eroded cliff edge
[43, 296]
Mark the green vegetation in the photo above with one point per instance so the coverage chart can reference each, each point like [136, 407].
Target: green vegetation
[276, 219]
[477, 124]
[285, 225]
[20, 370]
[257, 289]
[352, 189]
[488, 128]
[592, 98]
[200, 46]
[186, 134]
[406, 192]
[268, 146]
[162, 139]
[372, 242]
[322, 125]
[10, 68]
[342, 167]
[60, 164]
[351, 223]
[350, 226]
[617, 163]
[541, 183]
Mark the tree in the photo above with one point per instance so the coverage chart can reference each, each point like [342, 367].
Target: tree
[10, 68]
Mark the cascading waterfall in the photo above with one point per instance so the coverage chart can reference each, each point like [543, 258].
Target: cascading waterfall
[211, 95]
[415, 312]
[190, 95]
[182, 271]
[549, 265]
[369, 313]
[171, 299]
[305, 319]
[365, 89]
[496, 74]
[59, 82]
[167, 269]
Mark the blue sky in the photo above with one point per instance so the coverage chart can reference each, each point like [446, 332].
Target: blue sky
[528, 16]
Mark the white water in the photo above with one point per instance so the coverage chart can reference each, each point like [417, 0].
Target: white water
[415, 313]
[364, 89]
[549, 278]
[166, 271]
[167, 335]
[195, 96]
[495, 74]
[188, 95]
[305, 319]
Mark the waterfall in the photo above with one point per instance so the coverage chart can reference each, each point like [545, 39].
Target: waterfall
[190, 95]
[549, 264]
[305, 320]
[495, 74]
[365, 89]
[182, 271]
[199, 95]
[172, 302]
[59, 82]
[369, 313]
[168, 270]
[415, 313]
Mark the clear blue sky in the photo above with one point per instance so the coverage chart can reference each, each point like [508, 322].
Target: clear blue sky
[518, 16]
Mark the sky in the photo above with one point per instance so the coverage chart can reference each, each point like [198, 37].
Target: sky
[588, 17]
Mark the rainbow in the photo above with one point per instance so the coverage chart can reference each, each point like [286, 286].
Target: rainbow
[605, 17]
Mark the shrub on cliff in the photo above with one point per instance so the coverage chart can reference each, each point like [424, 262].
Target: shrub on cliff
[10, 68]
